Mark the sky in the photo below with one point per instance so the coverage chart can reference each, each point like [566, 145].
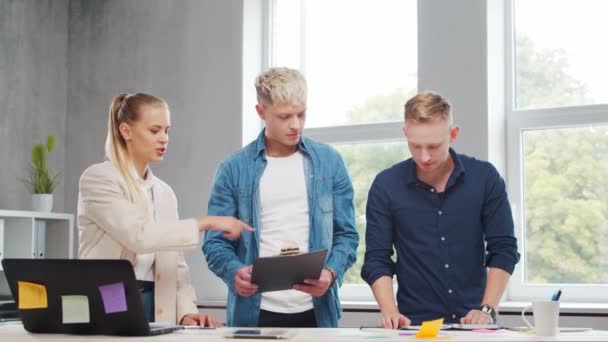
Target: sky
[580, 28]
[377, 46]
[377, 51]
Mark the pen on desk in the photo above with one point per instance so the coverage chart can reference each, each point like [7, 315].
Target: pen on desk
[378, 327]
[195, 327]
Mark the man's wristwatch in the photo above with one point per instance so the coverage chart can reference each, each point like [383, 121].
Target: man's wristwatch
[489, 310]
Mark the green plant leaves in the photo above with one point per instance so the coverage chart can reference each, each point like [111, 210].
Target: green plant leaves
[50, 143]
[40, 180]
[38, 154]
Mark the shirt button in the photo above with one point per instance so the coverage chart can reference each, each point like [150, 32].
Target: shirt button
[447, 265]
[453, 316]
[450, 291]
[442, 238]
[439, 212]
[432, 189]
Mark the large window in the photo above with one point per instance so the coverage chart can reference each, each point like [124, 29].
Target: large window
[566, 205]
[352, 52]
[559, 58]
[558, 147]
[360, 61]
[364, 162]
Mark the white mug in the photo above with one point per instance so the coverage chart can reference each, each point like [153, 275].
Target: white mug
[546, 315]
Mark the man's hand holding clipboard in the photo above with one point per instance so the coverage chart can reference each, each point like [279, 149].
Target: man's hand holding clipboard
[242, 282]
[303, 272]
[317, 287]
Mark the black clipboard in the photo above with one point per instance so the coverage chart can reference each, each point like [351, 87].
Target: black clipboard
[278, 273]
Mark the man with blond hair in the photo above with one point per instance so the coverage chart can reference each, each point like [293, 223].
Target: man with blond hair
[438, 210]
[297, 195]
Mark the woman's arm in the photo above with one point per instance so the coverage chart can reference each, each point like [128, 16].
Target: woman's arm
[104, 203]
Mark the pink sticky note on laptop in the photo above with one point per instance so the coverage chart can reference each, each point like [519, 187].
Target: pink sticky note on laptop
[113, 297]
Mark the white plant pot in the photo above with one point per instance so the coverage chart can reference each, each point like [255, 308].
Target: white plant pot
[42, 202]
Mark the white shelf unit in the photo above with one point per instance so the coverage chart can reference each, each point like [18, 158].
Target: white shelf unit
[30, 234]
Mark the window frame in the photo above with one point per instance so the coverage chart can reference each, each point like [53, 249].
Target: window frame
[518, 121]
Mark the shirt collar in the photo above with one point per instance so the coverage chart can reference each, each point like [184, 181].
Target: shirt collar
[459, 170]
[260, 145]
[143, 183]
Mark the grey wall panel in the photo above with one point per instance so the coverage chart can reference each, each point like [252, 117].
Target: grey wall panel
[33, 78]
[451, 52]
[189, 53]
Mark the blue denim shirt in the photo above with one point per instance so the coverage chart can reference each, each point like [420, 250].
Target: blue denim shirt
[235, 192]
[444, 241]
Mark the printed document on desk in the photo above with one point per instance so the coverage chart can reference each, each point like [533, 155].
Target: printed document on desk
[458, 326]
[278, 273]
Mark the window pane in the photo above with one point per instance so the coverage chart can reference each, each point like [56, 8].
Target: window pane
[559, 57]
[566, 205]
[355, 54]
[364, 161]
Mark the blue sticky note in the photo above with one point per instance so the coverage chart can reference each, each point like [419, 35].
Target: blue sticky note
[75, 309]
[113, 297]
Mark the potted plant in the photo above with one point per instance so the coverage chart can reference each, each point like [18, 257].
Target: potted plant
[41, 182]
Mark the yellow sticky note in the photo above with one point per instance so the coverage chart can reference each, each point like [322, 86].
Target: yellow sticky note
[32, 296]
[430, 329]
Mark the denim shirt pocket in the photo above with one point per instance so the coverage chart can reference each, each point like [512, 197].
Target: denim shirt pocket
[244, 205]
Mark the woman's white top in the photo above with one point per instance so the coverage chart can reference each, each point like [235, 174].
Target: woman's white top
[144, 263]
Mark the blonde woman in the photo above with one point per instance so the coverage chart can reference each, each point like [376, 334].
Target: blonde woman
[125, 212]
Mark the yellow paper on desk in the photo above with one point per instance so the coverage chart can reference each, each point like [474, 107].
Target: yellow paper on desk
[31, 295]
[430, 329]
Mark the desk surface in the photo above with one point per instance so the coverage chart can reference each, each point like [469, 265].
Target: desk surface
[15, 332]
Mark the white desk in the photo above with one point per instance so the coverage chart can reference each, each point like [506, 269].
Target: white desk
[15, 332]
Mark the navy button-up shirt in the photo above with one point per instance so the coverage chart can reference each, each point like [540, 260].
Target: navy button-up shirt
[444, 241]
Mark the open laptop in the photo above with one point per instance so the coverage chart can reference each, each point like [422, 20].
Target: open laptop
[89, 297]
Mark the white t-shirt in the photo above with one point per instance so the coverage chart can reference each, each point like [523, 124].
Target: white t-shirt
[284, 224]
[144, 263]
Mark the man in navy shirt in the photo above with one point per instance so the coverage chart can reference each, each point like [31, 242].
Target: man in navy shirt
[448, 218]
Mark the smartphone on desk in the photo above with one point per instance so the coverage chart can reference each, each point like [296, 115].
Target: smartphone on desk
[265, 334]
